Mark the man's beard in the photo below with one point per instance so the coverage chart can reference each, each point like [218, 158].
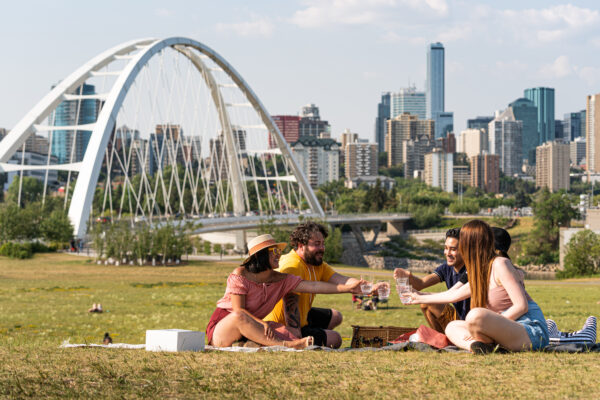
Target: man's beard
[315, 259]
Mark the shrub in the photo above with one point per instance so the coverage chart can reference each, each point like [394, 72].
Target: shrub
[582, 256]
[333, 246]
[17, 250]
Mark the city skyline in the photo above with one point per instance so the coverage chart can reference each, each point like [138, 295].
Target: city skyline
[358, 50]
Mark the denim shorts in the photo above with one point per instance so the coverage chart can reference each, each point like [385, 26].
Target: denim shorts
[535, 324]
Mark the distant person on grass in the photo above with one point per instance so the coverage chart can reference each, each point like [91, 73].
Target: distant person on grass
[252, 291]
[503, 313]
[306, 261]
[439, 315]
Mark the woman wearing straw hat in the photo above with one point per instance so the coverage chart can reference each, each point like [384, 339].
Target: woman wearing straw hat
[253, 290]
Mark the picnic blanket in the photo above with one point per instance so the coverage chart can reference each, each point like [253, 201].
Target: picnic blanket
[406, 346]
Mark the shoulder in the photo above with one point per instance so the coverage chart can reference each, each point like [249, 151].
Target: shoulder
[290, 263]
[238, 271]
[442, 270]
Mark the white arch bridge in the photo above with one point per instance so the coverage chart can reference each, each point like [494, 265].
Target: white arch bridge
[155, 129]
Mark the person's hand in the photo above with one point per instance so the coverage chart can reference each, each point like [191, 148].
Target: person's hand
[377, 285]
[268, 331]
[354, 287]
[401, 273]
[415, 297]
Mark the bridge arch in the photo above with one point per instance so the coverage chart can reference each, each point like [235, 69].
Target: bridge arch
[89, 168]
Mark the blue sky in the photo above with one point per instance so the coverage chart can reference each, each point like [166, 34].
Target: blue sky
[338, 54]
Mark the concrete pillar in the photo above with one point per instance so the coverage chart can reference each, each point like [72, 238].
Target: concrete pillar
[395, 228]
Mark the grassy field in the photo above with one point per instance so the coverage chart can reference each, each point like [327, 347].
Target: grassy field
[44, 302]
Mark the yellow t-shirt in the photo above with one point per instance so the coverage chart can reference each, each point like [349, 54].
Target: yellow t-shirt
[291, 263]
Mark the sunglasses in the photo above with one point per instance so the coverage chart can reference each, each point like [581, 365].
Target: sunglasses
[275, 250]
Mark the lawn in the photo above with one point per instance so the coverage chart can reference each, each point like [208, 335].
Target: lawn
[44, 302]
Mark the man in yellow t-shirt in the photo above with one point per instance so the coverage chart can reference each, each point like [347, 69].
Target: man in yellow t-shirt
[306, 261]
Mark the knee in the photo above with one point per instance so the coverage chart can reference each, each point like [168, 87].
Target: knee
[336, 319]
[334, 339]
[475, 317]
[239, 317]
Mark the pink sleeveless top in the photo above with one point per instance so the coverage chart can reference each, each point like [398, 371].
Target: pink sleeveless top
[260, 297]
[498, 299]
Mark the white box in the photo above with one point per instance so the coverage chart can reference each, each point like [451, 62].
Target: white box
[174, 340]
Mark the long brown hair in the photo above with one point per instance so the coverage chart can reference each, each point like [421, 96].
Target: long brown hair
[476, 246]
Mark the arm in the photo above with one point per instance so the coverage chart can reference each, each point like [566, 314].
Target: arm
[238, 303]
[449, 296]
[291, 313]
[415, 281]
[350, 285]
[507, 276]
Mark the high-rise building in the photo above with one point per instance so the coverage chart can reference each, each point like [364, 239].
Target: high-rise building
[70, 145]
[526, 111]
[435, 91]
[383, 114]
[485, 172]
[360, 159]
[479, 123]
[439, 170]
[473, 141]
[401, 128]
[462, 174]
[578, 151]
[37, 144]
[348, 137]
[559, 130]
[318, 158]
[289, 126]
[592, 127]
[574, 124]
[408, 100]
[543, 98]
[447, 143]
[435, 80]
[413, 154]
[552, 166]
[311, 123]
[506, 141]
[3, 132]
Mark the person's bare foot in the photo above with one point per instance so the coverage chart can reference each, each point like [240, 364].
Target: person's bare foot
[300, 343]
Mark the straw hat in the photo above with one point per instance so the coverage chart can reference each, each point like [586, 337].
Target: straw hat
[262, 242]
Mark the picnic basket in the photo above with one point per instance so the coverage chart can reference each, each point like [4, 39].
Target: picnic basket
[376, 336]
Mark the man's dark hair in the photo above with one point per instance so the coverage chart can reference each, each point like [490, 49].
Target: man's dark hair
[502, 240]
[453, 233]
[304, 232]
[258, 262]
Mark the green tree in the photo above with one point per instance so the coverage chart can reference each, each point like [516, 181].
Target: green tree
[582, 255]
[551, 211]
[56, 227]
[333, 246]
[31, 190]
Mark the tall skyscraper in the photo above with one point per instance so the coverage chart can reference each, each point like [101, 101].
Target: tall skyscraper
[552, 166]
[408, 100]
[543, 98]
[505, 136]
[68, 145]
[592, 127]
[435, 79]
[318, 158]
[526, 111]
[435, 91]
[383, 114]
[573, 125]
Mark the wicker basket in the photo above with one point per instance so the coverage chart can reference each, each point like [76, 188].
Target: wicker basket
[376, 336]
